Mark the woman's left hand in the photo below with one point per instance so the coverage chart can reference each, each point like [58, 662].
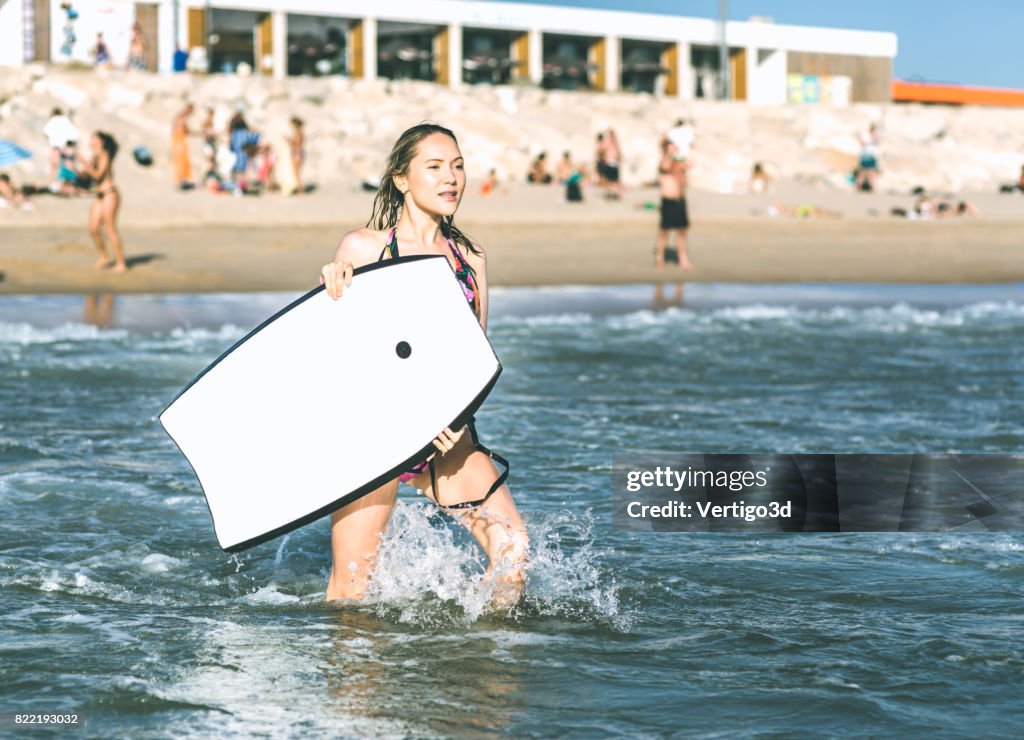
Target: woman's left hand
[445, 441]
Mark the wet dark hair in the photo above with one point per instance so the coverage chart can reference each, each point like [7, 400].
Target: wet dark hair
[108, 143]
[387, 204]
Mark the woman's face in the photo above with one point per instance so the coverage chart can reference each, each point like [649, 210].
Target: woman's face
[95, 145]
[436, 178]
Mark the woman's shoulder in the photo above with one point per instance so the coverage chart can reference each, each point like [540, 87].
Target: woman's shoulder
[361, 246]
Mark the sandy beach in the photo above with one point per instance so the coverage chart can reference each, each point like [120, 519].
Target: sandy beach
[185, 242]
[200, 241]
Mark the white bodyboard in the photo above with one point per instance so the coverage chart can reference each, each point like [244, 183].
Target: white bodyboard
[328, 400]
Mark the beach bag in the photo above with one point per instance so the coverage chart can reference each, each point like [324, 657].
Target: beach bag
[143, 156]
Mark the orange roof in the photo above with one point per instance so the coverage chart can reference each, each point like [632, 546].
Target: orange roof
[927, 92]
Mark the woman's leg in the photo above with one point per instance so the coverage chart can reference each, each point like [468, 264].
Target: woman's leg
[297, 166]
[466, 474]
[111, 204]
[660, 242]
[355, 538]
[95, 221]
[684, 259]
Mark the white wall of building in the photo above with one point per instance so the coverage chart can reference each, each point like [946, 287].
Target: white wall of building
[589, 22]
[165, 37]
[12, 33]
[766, 76]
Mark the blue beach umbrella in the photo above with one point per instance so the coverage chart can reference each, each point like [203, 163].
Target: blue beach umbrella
[11, 153]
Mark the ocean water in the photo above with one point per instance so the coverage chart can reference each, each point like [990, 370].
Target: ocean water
[118, 604]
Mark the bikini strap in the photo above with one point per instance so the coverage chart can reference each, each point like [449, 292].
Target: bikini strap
[391, 246]
[464, 272]
[456, 252]
[490, 491]
[463, 263]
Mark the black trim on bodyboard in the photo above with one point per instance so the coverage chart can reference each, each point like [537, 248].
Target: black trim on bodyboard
[460, 420]
[377, 482]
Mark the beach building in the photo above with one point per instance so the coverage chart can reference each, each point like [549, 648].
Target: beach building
[466, 42]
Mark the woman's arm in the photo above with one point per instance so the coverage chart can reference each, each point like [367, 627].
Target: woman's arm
[97, 168]
[479, 264]
[356, 248]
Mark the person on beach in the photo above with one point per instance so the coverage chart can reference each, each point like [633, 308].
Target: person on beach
[60, 132]
[264, 162]
[682, 136]
[674, 216]
[101, 51]
[414, 214]
[570, 176]
[599, 163]
[180, 159]
[243, 143]
[612, 163]
[565, 167]
[71, 181]
[759, 179]
[926, 209]
[538, 174]
[137, 48]
[490, 184]
[67, 47]
[103, 214]
[211, 177]
[297, 146]
[802, 210]
[9, 194]
[867, 168]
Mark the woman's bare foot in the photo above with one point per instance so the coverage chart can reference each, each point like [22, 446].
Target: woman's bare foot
[685, 263]
[101, 264]
[120, 267]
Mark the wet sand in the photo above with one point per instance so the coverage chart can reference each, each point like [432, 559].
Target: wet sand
[231, 258]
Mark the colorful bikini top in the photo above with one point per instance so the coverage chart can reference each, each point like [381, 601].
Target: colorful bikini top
[463, 273]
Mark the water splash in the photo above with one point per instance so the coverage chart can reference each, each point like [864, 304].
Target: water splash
[431, 573]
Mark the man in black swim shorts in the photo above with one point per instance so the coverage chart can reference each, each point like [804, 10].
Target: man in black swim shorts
[674, 216]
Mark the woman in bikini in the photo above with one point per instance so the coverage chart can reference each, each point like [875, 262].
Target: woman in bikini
[103, 214]
[413, 213]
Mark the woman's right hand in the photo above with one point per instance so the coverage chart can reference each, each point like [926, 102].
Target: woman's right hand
[336, 276]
